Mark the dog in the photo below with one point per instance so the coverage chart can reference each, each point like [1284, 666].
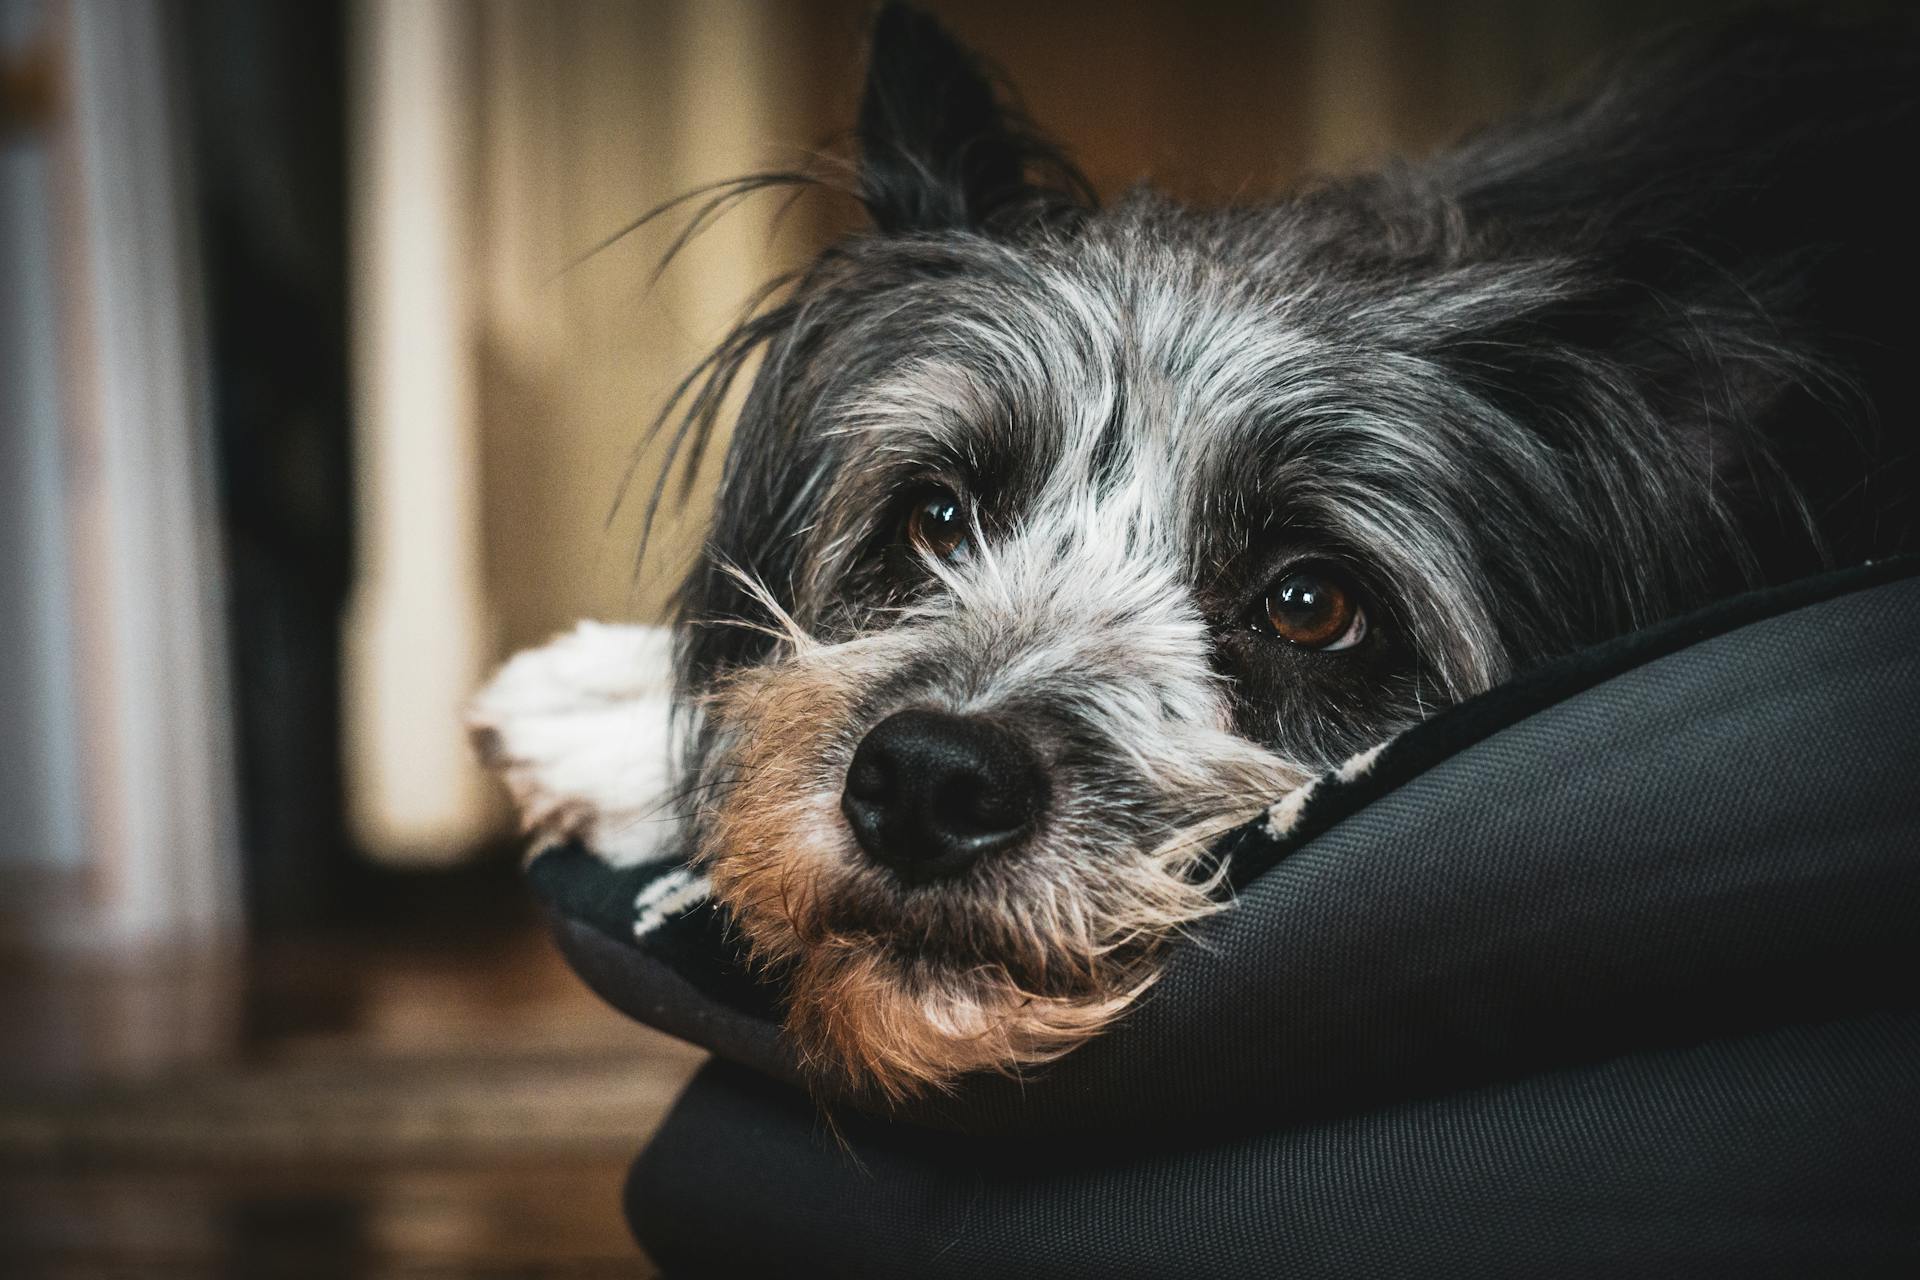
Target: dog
[1055, 539]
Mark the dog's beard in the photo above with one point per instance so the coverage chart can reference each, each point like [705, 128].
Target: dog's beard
[894, 989]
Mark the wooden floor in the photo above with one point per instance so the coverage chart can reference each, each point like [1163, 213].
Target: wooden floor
[421, 1098]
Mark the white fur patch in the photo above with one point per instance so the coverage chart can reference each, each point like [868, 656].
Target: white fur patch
[578, 729]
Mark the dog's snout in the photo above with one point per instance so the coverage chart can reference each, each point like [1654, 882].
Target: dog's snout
[930, 793]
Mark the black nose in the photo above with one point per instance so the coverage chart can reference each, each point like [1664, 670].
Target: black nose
[929, 793]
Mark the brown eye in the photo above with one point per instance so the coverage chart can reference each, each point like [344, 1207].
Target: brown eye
[1314, 608]
[937, 524]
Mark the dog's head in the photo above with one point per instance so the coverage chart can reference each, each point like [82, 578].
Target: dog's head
[1055, 540]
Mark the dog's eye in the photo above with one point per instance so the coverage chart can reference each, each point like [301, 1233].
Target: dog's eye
[937, 524]
[1314, 608]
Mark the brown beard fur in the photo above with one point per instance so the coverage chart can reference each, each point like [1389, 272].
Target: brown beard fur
[870, 1012]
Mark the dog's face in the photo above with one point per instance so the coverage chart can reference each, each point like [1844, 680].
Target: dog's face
[1070, 538]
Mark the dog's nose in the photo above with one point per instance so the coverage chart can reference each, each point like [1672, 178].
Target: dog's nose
[930, 793]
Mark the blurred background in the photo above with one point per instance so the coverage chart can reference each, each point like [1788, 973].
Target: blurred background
[316, 400]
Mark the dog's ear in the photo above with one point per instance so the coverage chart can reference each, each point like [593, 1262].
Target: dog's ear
[939, 150]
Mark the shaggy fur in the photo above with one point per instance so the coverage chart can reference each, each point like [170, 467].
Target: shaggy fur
[1590, 368]
[578, 731]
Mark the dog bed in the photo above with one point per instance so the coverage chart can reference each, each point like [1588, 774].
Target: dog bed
[1609, 971]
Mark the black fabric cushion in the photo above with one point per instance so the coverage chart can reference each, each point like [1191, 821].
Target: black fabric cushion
[1790, 1153]
[1610, 971]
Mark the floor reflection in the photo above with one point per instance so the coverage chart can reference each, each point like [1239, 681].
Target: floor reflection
[432, 1094]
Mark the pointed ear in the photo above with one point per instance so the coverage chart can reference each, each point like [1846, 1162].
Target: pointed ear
[938, 150]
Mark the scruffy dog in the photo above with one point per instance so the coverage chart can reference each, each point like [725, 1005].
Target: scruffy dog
[1055, 539]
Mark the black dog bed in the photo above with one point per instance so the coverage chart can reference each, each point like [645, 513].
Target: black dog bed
[1611, 971]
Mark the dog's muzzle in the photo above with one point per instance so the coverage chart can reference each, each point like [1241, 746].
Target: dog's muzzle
[929, 794]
